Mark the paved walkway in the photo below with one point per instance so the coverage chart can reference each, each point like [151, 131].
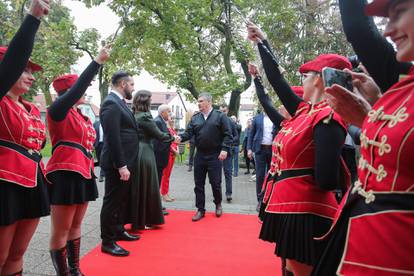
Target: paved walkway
[37, 260]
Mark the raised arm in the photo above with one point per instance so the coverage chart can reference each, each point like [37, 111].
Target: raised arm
[61, 106]
[21, 46]
[372, 49]
[264, 99]
[271, 66]
[282, 88]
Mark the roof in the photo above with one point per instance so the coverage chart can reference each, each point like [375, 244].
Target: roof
[159, 98]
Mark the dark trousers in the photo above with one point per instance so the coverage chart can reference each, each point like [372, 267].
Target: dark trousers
[203, 164]
[263, 159]
[114, 207]
[98, 151]
[159, 173]
[248, 161]
[191, 154]
[228, 169]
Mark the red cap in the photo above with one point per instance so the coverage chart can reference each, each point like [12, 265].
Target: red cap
[35, 67]
[63, 83]
[326, 60]
[298, 90]
[378, 8]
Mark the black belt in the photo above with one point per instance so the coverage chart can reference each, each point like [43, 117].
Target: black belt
[73, 145]
[266, 146]
[381, 203]
[291, 173]
[22, 150]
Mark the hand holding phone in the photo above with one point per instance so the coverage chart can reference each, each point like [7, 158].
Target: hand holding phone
[333, 76]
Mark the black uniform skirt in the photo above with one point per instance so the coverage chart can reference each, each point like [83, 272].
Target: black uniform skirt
[294, 235]
[18, 202]
[69, 188]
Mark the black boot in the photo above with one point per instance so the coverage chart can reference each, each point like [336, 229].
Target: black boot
[73, 248]
[20, 273]
[59, 261]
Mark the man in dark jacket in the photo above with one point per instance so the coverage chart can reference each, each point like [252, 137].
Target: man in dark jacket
[236, 146]
[161, 149]
[213, 140]
[119, 157]
[228, 162]
[260, 143]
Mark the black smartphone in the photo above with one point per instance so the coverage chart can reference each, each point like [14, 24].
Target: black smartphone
[333, 76]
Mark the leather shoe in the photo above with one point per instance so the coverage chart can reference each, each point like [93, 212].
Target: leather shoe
[112, 248]
[125, 236]
[229, 198]
[219, 210]
[165, 213]
[199, 215]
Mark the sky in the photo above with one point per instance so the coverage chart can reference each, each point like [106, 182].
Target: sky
[106, 22]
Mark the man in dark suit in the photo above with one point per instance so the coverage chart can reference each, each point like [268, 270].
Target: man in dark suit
[260, 143]
[98, 145]
[119, 157]
[162, 149]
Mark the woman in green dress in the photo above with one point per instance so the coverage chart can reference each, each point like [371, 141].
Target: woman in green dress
[146, 209]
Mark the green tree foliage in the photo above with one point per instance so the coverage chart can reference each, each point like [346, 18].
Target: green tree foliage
[200, 45]
[300, 30]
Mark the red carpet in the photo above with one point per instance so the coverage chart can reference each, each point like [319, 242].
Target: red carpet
[212, 246]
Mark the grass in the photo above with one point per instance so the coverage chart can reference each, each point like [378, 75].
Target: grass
[47, 150]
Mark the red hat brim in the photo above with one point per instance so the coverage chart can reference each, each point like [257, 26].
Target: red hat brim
[378, 8]
[35, 67]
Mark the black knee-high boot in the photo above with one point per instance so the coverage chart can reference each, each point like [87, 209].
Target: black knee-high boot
[59, 261]
[73, 248]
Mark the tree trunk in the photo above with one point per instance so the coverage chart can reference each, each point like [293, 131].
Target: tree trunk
[103, 84]
[234, 104]
[46, 93]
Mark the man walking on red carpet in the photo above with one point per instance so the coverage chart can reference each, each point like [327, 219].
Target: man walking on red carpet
[213, 140]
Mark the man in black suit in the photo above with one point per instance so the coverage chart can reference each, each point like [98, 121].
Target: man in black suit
[162, 149]
[119, 157]
[98, 145]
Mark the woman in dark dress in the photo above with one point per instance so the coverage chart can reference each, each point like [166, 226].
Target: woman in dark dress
[23, 192]
[70, 168]
[306, 164]
[146, 209]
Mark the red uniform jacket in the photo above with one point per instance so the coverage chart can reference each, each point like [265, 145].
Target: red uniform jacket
[22, 134]
[72, 141]
[293, 152]
[381, 225]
